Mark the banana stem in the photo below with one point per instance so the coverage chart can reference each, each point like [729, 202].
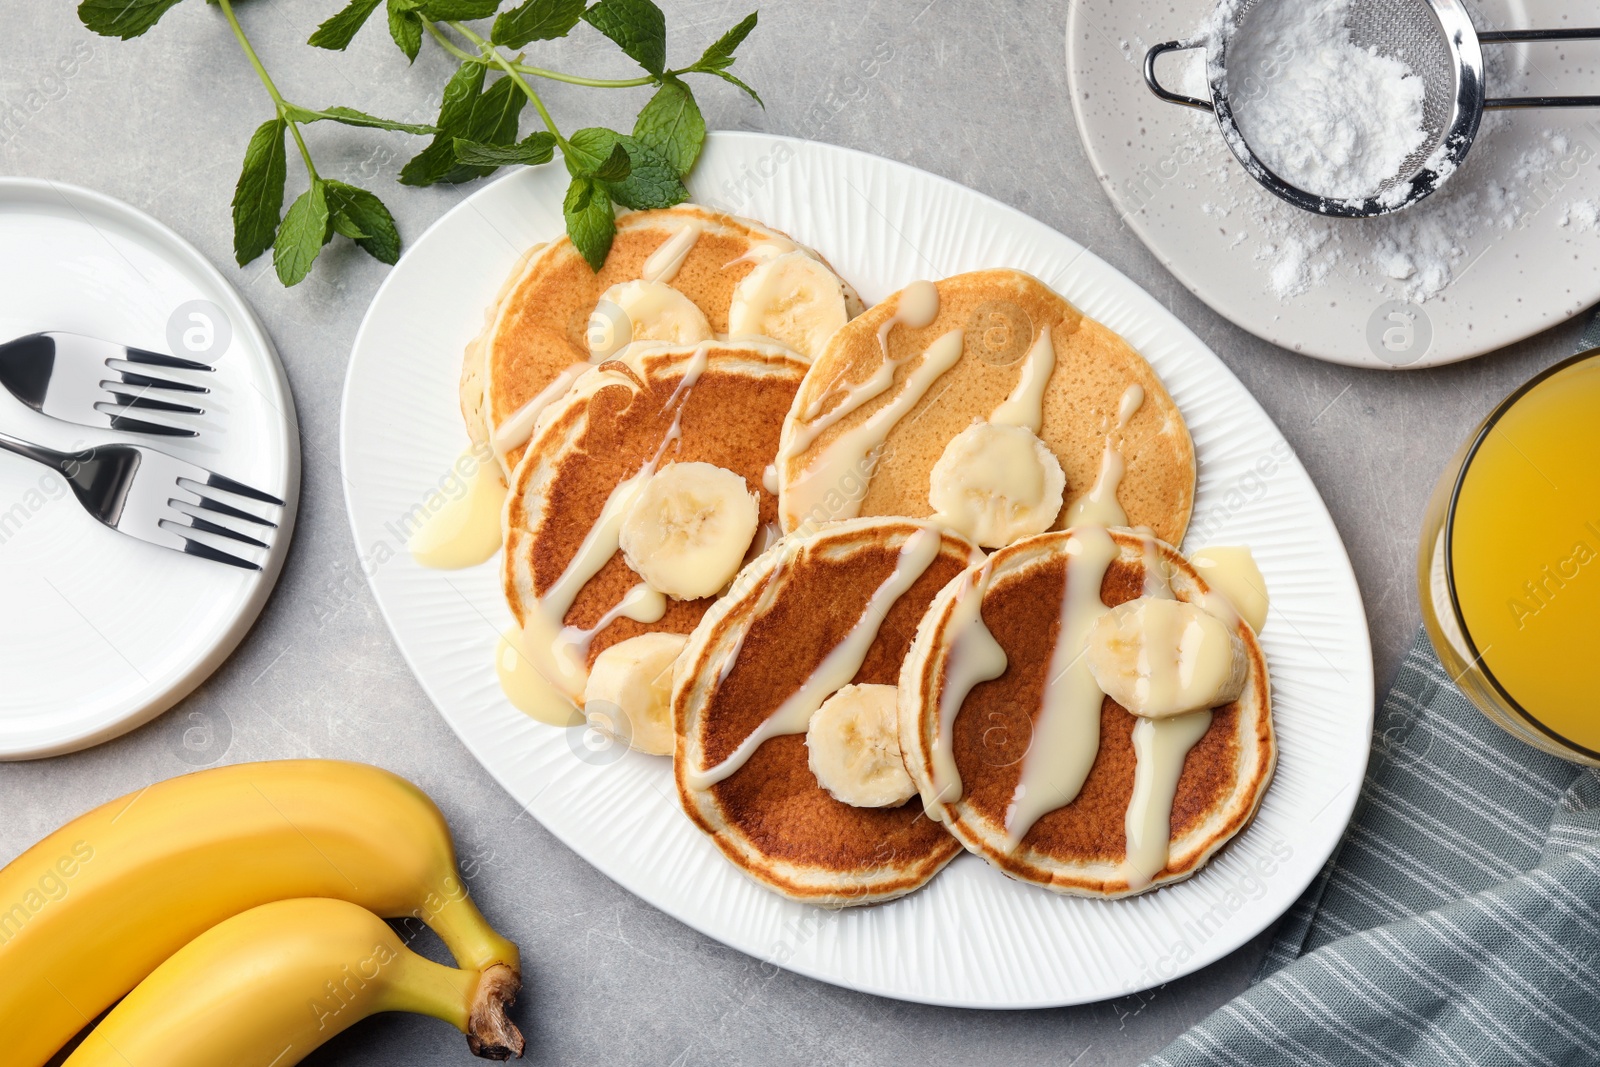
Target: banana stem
[490, 1033]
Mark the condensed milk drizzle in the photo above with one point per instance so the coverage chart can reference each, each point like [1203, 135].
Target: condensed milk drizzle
[556, 652]
[841, 664]
[1025, 406]
[975, 657]
[1160, 747]
[665, 262]
[1099, 506]
[517, 430]
[465, 531]
[1066, 736]
[917, 307]
[847, 454]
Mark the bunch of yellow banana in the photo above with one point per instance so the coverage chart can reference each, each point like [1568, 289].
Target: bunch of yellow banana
[92, 910]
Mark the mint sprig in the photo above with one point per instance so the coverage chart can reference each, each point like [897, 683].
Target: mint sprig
[478, 125]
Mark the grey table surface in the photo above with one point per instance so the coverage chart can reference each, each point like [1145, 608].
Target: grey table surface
[976, 92]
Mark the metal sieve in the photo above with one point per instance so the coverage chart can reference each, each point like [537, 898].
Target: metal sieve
[1436, 38]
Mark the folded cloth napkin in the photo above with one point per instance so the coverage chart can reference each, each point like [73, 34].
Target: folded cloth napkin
[1459, 922]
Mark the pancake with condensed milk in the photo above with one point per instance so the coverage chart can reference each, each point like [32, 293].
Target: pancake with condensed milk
[535, 337]
[717, 403]
[998, 739]
[767, 641]
[899, 382]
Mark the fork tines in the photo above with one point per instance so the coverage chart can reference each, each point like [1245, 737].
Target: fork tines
[131, 391]
[202, 501]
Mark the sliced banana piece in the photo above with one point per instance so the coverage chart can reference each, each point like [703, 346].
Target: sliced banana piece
[853, 747]
[643, 311]
[996, 484]
[792, 299]
[1159, 658]
[630, 690]
[687, 530]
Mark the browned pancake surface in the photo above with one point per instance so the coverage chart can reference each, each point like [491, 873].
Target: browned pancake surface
[774, 798]
[771, 817]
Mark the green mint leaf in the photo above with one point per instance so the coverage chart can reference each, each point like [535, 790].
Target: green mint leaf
[671, 125]
[258, 198]
[493, 121]
[349, 116]
[637, 26]
[725, 76]
[461, 92]
[587, 149]
[616, 167]
[720, 55]
[405, 26]
[344, 226]
[361, 216]
[337, 32]
[536, 20]
[538, 147]
[591, 222]
[122, 18]
[300, 237]
[457, 10]
[651, 182]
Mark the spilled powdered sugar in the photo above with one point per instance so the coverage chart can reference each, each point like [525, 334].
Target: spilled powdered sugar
[1322, 113]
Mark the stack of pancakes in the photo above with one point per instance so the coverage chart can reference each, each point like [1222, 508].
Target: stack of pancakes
[889, 393]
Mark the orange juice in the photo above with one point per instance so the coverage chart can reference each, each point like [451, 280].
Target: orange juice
[1517, 546]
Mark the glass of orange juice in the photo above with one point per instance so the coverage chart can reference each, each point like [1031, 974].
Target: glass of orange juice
[1509, 565]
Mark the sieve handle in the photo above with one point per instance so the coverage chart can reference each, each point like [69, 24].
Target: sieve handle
[1535, 36]
[1162, 91]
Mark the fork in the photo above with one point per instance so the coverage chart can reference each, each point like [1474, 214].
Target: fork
[155, 497]
[98, 383]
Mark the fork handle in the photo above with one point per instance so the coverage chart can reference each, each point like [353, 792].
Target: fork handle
[65, 462]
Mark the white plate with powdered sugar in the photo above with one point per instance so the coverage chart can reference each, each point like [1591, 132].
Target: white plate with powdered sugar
[1505, 249]
[972, 937]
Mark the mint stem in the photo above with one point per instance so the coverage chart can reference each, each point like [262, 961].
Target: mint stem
[491, 53]
[278, 102]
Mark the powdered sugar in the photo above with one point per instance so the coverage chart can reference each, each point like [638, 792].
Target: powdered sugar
[1324, 114]
[1414, 254]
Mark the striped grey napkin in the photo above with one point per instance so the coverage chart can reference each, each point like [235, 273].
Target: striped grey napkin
[1459, 922]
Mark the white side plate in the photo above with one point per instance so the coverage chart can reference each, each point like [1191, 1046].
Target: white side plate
[972, 937]
[101, 632]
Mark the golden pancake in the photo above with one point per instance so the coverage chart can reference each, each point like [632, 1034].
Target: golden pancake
[1081, 848]
[536, 328]
[877, 411]
[757, 648]
[719, 403]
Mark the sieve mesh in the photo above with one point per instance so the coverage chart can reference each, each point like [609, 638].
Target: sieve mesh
[1407, 30]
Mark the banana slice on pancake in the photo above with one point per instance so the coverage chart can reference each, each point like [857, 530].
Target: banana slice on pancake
[997, 484]
[630, 691]
[637, 311]
[687, 531]
[853, 748]
[1159, 657]
[793, 299]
